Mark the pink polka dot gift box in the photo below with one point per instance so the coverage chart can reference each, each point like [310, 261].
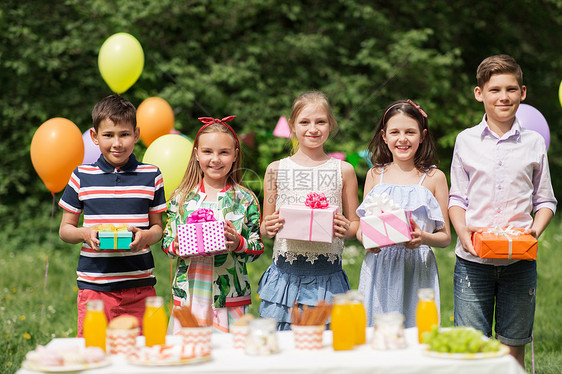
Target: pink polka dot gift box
[201, 235]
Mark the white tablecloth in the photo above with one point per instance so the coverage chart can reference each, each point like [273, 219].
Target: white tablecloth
[362, 359]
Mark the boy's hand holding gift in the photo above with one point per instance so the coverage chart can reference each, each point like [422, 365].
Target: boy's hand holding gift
[201, 235]
[312, 222]
[384, 223]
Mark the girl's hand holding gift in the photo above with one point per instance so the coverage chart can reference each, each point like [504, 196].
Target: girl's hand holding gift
[272, 224]
[231, 236]
[341, 225]
[416, 234]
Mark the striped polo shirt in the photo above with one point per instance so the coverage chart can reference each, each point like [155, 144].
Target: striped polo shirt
[109, 195]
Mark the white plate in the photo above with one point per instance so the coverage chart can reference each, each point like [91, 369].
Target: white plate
[64, 368]
[466, 356]
[184, 361]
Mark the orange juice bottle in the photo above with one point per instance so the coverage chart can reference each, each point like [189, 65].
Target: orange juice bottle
[95, 324]
[154, 322]
[358, 316]
[426, 312]
[342, 326]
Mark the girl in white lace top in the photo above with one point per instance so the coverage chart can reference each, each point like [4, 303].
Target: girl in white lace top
[305, 272]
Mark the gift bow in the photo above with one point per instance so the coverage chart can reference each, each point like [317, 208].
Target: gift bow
[507, 232]
[201, 215]
[375, 204]
[316, 201]
[112, 228]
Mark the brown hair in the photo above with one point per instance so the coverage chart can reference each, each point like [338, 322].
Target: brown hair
[426, 155]
[498, 64]
[194, 175]
[115, 108]
[312, 97]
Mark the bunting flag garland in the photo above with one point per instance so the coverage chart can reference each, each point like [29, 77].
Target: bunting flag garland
[282, 129]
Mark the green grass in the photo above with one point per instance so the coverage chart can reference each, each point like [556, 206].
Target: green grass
[22, 296]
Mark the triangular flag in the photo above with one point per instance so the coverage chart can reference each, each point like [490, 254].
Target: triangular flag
[282, 129]
[249, 139]
[338, 155]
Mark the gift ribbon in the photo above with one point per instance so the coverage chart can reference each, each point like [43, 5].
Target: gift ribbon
[112, 228]
[315, 201]
[375, 204]
[201, 215]
[400, 229]
[505, 232]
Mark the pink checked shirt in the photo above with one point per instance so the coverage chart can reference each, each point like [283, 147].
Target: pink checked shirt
[499, 181]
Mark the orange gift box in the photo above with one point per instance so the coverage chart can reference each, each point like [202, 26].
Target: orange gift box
[508, 243]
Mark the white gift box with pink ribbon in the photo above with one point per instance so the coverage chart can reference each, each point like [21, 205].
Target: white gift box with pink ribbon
[313, 221]
[202, 235]
[384, 223]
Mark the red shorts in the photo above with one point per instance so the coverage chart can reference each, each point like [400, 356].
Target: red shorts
[126, 301]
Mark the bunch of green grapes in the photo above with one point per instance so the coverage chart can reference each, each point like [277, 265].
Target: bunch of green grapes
[459, 340]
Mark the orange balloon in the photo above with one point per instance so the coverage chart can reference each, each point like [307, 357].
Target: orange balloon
[155, 118]
[57, 149]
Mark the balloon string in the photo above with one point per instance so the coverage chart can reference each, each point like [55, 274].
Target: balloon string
[173, 79]
[47, 260]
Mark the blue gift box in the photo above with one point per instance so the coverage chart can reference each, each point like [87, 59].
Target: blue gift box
[115, 239]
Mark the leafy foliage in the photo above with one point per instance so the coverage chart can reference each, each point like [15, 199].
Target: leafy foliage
[251, 58]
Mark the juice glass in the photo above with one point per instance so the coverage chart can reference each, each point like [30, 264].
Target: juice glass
[95, 324]
[358, 316]
[154, 322]
[342, 326]
[426, 312]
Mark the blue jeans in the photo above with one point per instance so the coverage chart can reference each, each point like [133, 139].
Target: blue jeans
[478, 287]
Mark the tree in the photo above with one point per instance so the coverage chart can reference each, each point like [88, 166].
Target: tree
[251, 58]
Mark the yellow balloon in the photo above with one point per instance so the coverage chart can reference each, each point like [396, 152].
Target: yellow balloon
[171, 154]
[121, 60]
[560, 93]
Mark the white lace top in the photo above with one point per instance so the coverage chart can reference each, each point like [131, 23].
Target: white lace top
[294, 182]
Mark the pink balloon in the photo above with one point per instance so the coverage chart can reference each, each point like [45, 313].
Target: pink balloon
[91, 151]
[530, 118]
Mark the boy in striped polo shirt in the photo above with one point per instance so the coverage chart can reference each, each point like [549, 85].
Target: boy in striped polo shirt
[116, 189]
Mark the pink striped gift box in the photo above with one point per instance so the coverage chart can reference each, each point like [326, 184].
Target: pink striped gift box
[386, 229]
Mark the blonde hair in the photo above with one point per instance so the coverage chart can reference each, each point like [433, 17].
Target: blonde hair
[194, 175]
[312, 97]
[498, 64]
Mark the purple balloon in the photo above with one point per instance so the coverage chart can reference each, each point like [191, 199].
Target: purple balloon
[91, 151]
[530, 118]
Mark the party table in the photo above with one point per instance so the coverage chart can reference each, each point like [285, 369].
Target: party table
[362, 359]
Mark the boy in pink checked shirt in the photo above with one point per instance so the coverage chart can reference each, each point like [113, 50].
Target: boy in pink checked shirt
[499, 177]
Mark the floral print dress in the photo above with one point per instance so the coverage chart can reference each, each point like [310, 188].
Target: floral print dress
[230, 286]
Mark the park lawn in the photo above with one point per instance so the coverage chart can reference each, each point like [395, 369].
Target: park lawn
[31, 315]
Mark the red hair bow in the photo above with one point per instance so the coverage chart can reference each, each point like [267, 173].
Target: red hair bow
[424, 114]
[210, 120]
